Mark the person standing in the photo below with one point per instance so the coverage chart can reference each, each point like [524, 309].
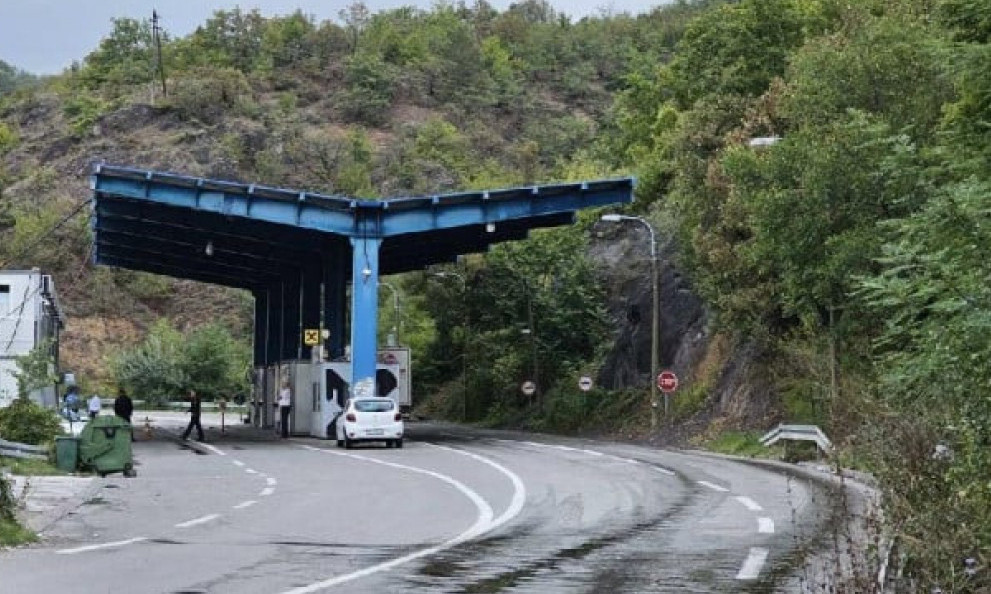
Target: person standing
[285, 405]
[124, 407]
[94, 405]
[194, 417]
[72, 404]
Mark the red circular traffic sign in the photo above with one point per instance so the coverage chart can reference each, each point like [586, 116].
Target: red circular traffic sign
[667, 381]
[528, 388]
[585, 383]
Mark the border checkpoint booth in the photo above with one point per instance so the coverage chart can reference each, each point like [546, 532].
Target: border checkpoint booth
[298, 253]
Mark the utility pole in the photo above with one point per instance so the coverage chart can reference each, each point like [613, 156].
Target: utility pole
[158, 49]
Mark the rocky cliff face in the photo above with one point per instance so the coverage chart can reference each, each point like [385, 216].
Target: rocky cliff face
[727, 371]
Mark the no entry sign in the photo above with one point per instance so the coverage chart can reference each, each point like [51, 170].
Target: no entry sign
[585, 383]
[667, 381]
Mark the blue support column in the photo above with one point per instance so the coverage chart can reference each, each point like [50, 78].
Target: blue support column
[364, 308]
[335, 289]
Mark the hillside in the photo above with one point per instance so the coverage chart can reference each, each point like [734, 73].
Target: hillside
[833, 273]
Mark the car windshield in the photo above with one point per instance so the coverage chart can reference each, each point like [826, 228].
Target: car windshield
[383, 405]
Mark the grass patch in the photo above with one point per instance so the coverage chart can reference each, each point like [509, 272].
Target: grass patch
[13, 534]
[742, 443]
[27, 467]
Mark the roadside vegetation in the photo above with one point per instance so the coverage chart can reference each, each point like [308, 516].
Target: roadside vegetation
[848, 247]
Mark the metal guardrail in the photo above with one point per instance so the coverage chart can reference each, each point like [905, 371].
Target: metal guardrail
[798, 433]
[12, 449]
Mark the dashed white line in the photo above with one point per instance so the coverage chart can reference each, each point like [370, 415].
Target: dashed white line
[592, 453]
[214, 449]
[749, 503]
[713, 486]
[271, 481]
[105, 545]
[663, 470]
[245, 504]
[266, 491]
[238, 463]
[765, 525]
[754, 563]
[202, 520]
[251, 471]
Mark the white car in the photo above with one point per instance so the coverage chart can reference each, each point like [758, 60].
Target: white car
[370, 419]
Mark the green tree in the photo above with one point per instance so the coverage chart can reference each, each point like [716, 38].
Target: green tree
[215, 363]
[12, 78]
[154, 371]
[125, 57]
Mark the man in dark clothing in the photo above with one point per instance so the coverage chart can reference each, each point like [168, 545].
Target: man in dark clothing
[194, 417]
[123, 407]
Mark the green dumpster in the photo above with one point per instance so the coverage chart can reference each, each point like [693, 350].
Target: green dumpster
[105, 445]
[67, 453]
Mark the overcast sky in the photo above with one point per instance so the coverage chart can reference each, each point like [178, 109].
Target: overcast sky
[45, 36]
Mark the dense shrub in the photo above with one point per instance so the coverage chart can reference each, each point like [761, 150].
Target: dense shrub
[26, 422]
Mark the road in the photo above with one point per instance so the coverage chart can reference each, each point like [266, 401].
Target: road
[456, 510]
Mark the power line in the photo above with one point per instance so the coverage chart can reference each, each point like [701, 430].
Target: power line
[45, 235]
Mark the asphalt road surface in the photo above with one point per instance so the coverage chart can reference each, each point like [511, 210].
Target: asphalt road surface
[456, 510]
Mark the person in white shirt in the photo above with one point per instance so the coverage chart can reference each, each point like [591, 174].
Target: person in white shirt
[94, 405]
[285, 404]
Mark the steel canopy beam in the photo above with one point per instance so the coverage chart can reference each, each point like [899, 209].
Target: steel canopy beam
[349, 217]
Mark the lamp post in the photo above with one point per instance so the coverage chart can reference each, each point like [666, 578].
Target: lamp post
[656, 315]
[464, 349]
[393, 337]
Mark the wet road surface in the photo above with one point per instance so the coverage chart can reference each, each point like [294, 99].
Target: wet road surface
[456, 510]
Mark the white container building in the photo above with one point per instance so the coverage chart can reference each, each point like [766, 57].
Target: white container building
[29, 316]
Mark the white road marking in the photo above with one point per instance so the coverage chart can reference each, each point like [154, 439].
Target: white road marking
[482, 524]
[754, 563]
[714, 487]
[105, 545]
[251, 471]
[765, 525]
[267, 491]
[592, 453]
[663, 470]
[519, 490]
[245, 504]
[213, 449]
[749, 503]
[238, 463]
[271, 481]
[202, 520]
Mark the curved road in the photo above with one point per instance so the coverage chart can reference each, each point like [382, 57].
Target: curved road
[456, 510]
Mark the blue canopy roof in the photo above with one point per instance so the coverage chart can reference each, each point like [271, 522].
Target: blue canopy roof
[163, 223]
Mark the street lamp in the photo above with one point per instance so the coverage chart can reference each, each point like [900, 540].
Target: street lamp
[393, 338]
[656, 316]
[464, 349]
